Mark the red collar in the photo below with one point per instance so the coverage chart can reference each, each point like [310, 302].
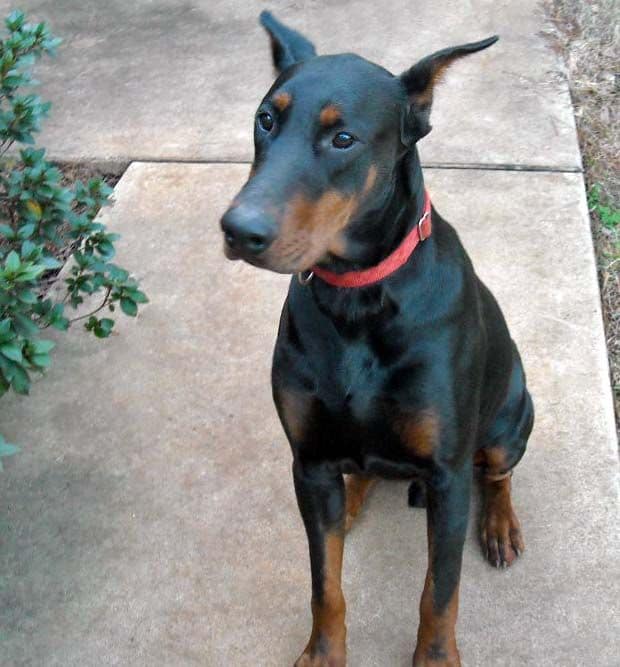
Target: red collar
[390, 264]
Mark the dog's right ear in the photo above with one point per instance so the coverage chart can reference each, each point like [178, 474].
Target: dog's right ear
[287, 46]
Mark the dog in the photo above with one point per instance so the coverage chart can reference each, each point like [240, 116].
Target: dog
[392, 360]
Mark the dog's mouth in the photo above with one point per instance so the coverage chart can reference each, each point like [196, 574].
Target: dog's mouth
[271, 260]
[235, 255]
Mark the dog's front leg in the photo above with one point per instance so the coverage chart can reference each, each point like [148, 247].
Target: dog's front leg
[321, 498]
[447, 516]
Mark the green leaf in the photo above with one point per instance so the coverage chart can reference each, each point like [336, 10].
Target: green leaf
[105, 249]
[26, 231]
[60, 323]
[12, 351]
[27, 296]
[41, 360]
[15, 20]
[50, 262]
[129, 306]
[104, 327]
[5, 330]
[24, 325]
[137, 296]
[20, 381]
[30, 273]
[12, 262]
[35, 210]
[42, 346]
[29, 249]
[7, 231]
[8, 368]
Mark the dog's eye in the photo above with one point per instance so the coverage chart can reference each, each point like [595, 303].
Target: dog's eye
[343, 140]
[265, 120]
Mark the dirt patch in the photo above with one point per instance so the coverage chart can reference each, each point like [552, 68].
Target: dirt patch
[588, 35]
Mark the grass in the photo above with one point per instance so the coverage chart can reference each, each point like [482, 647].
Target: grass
[588, 34]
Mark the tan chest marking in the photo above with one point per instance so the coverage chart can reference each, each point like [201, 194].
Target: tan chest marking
[419, 432]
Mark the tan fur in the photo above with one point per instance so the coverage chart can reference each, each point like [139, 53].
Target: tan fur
[357, 488]
[311, 228]
[420, 432]
[308, 227]
[282, 100]
[327, 643]
[330, 115]
[436, 632]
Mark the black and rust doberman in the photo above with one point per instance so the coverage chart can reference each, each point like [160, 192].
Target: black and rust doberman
[392, 359]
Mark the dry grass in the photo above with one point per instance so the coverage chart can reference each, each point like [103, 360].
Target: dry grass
[588, 34]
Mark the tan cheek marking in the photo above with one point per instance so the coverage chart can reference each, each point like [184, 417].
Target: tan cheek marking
[309, 226]
[282, 100]
[330, 115]
[371, 179]
[338, 244]
[420, 433]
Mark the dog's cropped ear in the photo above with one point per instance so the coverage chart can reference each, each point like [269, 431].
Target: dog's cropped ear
[419, 82]
[287, 45]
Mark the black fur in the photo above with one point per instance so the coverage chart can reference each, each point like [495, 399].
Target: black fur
[430, 337]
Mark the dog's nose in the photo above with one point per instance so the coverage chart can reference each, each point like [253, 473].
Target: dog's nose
[247, 229]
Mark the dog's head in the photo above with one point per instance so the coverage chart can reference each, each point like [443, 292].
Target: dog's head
[327, 138]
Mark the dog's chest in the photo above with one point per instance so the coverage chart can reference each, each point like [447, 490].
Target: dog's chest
[349, 381]
[358, 416]
[353, 397]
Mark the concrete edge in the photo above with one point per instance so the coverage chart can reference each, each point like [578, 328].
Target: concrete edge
[118, 165]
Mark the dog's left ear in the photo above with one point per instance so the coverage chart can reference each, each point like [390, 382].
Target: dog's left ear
[419, 82]
[287, 45]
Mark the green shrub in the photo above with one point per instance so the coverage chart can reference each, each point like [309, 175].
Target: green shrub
[39, 217]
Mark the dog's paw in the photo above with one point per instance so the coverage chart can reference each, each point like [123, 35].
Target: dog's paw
[320, 659]
[502, 540]
[436, 659]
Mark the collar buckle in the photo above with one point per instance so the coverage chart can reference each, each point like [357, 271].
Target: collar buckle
[424, 230]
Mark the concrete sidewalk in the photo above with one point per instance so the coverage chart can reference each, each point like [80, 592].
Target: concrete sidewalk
[181, 80]
[150, 518]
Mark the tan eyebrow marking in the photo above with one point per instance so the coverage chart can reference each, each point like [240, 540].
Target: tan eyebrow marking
[330, 115]
[282, 100]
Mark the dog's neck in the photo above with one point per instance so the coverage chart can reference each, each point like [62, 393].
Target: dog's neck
[374, 236]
